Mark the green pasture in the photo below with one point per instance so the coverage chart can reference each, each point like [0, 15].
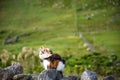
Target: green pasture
[57, 25]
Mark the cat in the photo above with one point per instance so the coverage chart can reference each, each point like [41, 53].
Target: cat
[50, 60]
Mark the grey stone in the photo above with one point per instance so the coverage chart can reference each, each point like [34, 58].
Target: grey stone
[9, 72]
[22, 77]
[89, 75]
[5, 40]
[50, 74]
[25, 77]
[15, 39]
[88, 17]
[15, 68]
[34, 77]
[74, 77]
[66, 78]
[109, 78]
[112, 21]
[15, 72]
[71, 78]
[9, 40]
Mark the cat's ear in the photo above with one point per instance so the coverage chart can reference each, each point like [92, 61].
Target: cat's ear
[50, 51]
[41, 48]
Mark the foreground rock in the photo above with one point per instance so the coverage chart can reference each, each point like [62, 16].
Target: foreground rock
[71, 78]
[15, 72]
[50, 74]
[25, 77]
[109, 78]
[53, 74]
[9, 72]
[89, 75]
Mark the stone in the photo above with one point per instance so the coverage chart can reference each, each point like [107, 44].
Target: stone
[9, 72]
[71, 78]
[15, 39]
[50, 74]
[88, 17]
[86, 44]
[5, 41]
[109, 78]
[89, 75]
[34, 77]
[23, 77]
[15, 68]
[66, 78]
[9, 40]
[112, 21]
[74, 78]
[15, 72]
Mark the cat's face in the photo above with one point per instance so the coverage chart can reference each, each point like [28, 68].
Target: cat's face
[44, 53]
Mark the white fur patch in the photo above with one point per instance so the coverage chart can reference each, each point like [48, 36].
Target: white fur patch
[45, 64]
[43, 56]
[60, 66]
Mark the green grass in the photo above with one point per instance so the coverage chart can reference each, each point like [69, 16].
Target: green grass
[108, 40]
[58, 28]
[48, 22]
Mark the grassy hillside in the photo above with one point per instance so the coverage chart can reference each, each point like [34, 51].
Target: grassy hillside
[57, 25]
[100, 21]
[42, 22]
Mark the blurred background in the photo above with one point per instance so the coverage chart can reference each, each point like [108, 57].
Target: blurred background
[86, 33]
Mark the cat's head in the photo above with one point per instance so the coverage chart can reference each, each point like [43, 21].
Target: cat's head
[44, 53]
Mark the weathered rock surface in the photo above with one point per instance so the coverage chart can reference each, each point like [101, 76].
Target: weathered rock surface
[74, 77]
[25, 77]
[5, 41]
[15, 72]
[50, 74]
[9, 72]
[22, 77]
[109, 78]
[9, 40]
[89, 75]
[71, 78]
